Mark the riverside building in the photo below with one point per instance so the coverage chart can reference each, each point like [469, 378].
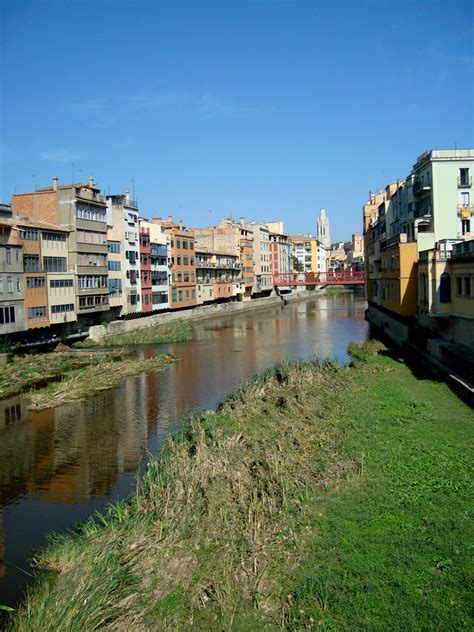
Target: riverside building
[219, 277]
[80, 209]
[418, 244]
[123, 254]
[236, 238]
[160, 262]
[182, 262]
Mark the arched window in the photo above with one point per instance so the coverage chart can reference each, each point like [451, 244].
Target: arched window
[445, 288]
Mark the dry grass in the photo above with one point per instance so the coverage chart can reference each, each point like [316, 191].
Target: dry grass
[231, 528]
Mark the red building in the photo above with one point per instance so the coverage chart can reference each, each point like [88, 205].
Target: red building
[145, 270]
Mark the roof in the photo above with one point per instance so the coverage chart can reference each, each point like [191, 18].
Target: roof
[16, 222]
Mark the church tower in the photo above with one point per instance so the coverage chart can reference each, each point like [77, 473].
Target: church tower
[322, 229]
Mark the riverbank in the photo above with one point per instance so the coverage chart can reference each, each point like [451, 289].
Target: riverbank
[315, 497]
[52, 379]
[203, 312]
[161, 333]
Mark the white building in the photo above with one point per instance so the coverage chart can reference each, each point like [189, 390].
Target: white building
[123, 254]
[160, 264]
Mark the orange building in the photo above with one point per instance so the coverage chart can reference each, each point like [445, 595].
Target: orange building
[182, 261]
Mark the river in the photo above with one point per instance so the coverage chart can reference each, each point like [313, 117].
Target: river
[59, 466]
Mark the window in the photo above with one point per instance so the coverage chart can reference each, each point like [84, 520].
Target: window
[34, 282]
[7, 315]
[180, 295]
[37, 312]
[87, 282]
[180, 277]
[191, 245]
[31, 263]
[115, 287]
[115, 266]
[187, 294]
[467, 286]
[91, 237]
[10, 284]
[178, 261]
[1, 283]
[464, 177]
[55, 264]
[61, 283]
[186, 277]
[18, 285]
[465, 198]
[113, 246]
[61, 309]
[55, 236]
[91, 259]
[185, 261]
[445, 288]
[465, 226]
[91, 213]
[178, 243]
[185, 244]
[29, 234]
[8, 255]
[458, 285]
[193, 293]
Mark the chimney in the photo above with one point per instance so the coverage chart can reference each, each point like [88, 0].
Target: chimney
[181, 225]
[241, 221]
[91, 182]
[55, 183]
[170, 219]
[127, 197]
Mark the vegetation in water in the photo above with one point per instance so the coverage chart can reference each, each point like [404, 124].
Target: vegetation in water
[51, 379]
[315, 497]
[175, 331]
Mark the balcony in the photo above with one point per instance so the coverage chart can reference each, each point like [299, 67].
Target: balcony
[465, 211]
[421, 187]
[463, 250]
[465, 183]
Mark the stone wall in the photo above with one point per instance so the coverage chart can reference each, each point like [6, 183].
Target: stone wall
[97, 332]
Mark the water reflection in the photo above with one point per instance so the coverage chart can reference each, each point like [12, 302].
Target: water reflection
[58, 466]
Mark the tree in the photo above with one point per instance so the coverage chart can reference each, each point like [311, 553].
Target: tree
[296, 263]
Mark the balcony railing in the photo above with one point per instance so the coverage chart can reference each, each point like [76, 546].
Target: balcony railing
[465, 183]
[420, 187]
[465, 211]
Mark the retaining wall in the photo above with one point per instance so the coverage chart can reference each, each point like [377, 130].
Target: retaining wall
[97, 332]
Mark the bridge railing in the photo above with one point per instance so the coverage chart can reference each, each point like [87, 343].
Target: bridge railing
[319, 278]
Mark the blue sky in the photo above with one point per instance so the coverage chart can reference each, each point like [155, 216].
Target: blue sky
[267, 110]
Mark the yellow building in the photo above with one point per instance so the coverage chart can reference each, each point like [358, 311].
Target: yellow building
[395, 288]
[446, 290]
[305, 249]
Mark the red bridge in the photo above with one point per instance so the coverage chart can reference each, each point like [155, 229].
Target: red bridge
[319, 278]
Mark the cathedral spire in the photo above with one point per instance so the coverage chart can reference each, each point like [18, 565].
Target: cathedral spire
[322, 229]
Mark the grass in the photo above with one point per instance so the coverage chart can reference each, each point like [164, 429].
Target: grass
[56, 378]
[175, 331]
[315, 497]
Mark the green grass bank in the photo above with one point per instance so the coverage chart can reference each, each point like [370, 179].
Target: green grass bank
[175, 331]
[316, 497]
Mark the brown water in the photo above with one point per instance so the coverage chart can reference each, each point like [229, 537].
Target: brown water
[59, 466]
